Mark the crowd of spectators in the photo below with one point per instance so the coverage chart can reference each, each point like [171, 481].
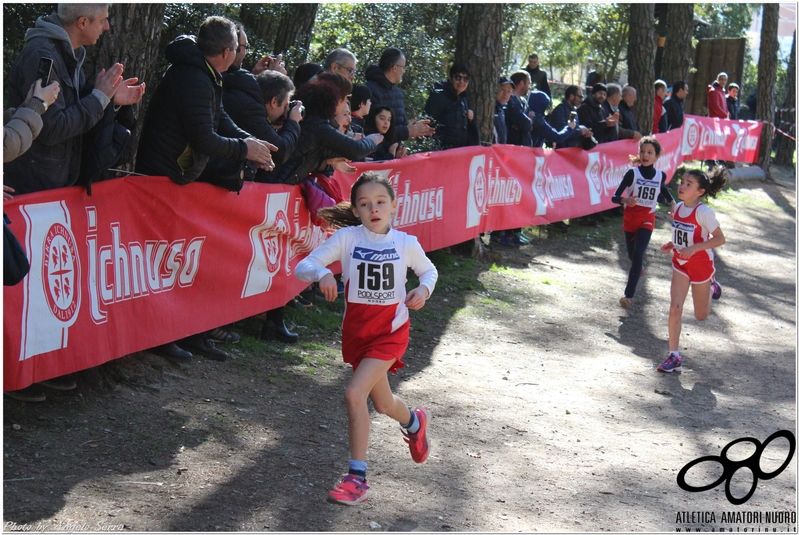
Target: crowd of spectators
[212, 120]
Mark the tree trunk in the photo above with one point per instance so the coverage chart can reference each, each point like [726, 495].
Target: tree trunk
[478, 43]
[641, 62]
[767, 80]
[785, 145]
[677, 54]
[133, 42]
[294, 34]
[260, 20]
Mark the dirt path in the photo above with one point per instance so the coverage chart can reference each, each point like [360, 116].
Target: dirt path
[547, 413]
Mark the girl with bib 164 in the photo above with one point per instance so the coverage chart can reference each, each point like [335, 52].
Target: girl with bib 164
[375, 259]
[640, 191]
[695, 232]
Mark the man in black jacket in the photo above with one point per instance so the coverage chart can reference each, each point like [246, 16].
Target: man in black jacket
[520, 125]
[675, 111]
[382, 80]
[538, 77]
[448, 105]
[185, 123]
[592, 115]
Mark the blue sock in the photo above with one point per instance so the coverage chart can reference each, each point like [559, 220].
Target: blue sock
[413, 424]
[358, 469]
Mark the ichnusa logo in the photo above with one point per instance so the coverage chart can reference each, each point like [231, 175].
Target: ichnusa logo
[548, 188]
[691, 132]
[52, 294]
[731, 467]
[743, 141]
[487, 188]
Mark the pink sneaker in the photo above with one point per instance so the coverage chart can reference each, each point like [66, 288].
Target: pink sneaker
[417, 442]
[351, 491]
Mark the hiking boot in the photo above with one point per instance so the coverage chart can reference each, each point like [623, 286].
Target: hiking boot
[417, 442]
[672, 364]
[351, 491]
[625, 302]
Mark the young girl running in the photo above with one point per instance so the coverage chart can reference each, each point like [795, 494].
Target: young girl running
[695, 232]
[640, 190]
[375, 259]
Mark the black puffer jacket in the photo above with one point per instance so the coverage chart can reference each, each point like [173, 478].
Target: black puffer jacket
[185, 124]
[319, 141]
[384, 93]
[244, 103]
[592, 115]
[449, 112]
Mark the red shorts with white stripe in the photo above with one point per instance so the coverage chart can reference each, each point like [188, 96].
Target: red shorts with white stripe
[359, 343]
[638, 217]
[699, 268]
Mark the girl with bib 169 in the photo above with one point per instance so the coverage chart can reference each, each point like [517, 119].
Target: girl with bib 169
[640, 191]
[695, 232]
[375, 259]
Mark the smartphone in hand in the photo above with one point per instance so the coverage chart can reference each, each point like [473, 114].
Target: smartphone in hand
[44, 71]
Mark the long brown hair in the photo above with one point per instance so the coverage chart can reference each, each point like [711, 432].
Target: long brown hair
[341, 215]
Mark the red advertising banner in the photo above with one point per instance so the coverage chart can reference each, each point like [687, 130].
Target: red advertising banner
[144, 261]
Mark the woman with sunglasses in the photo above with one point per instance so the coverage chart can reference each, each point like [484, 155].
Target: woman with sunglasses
[448, 107]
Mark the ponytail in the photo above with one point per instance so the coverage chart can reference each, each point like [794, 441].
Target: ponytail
[713, 181]
[339, 216]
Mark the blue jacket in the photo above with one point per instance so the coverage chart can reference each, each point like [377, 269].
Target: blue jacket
[559, 118]
[519, 124]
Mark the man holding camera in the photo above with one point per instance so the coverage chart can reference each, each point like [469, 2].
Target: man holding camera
[566, 112]
[55, 46]
[259, 112]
